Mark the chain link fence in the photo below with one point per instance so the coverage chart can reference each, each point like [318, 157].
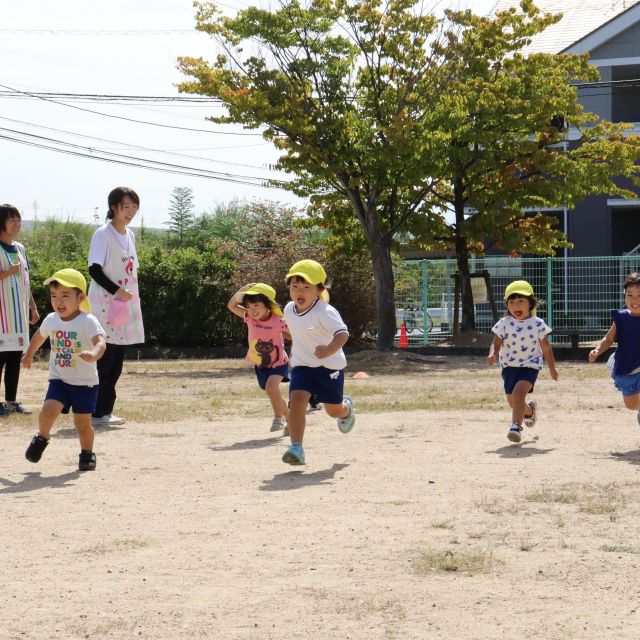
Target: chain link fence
[576, 295]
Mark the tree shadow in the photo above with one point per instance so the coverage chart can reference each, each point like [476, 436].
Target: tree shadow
[513, 451]
[250, 444]
[33, 481]
[230, 373]
[297, 479]
[632, 457]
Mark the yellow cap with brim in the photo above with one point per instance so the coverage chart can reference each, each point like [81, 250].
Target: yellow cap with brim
[309, 270]
[260, 288]
[521, 287]
[74, 280]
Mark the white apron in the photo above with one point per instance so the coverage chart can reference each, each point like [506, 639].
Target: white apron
[121, 268]
[15, 295]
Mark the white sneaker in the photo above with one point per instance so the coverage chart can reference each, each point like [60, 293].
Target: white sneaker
[278, 423]
[529, 421]
[515, 433]
[107, 421]
[113, 420]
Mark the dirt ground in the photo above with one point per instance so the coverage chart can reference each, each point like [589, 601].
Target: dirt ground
[423, 523]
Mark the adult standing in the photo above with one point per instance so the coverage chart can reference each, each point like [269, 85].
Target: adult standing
[114, 297]
[17, 306]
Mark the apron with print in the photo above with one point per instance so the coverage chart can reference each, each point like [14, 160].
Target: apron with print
[15, 295]
[121, 269]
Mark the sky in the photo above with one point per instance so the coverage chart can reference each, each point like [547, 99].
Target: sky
[121, 47]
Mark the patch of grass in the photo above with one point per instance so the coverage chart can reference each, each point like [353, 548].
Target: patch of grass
[526, 545]
[468, 561]
[564, 494]
[477, 535]
[495, 506]
[442, 524]
[602, 499]
[619, 548]
[124, 544]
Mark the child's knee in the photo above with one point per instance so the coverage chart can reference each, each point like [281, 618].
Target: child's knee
[632, 402]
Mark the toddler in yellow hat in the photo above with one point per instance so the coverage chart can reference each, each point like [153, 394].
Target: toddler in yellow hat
[77, 342]
[520, 339]
[318, 334]
[256, 304]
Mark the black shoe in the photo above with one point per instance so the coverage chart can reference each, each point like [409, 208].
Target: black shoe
[35, 449]
[87, 461]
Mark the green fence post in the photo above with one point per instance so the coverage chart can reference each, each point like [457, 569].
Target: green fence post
[550, 295]
[424, 272]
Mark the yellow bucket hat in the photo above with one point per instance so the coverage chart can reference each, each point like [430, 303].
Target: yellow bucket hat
[308, 270]
[521, 287]
[260, 288]
[74, 280]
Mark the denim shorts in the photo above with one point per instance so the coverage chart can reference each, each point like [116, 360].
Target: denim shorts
[513, 375]
[627, 385]
[80, 398]
[264, 373]
[326, 384]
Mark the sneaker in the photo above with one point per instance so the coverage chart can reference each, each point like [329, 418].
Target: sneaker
[87, 461]
[16, 407]
[113, 420]
[278, 423]
[35, 449]
[529, 421]
[346, 424]
[294, 455]
[107, 421]
[515, 433]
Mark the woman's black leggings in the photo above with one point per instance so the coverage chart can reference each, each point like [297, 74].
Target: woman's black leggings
[10, 362]
[109, 370]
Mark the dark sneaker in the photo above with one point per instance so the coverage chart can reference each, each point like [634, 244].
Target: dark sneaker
[87, 461]
[17, 407]
[35, 449]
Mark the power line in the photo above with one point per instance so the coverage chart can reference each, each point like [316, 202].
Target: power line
[105, 97]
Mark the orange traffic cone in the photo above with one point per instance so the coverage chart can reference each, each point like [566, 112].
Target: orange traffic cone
[404, 340]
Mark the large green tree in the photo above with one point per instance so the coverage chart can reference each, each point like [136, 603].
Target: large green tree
[512, 137]
[343, 89]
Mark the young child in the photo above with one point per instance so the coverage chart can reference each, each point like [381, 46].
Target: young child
[521, 339]
[77, 342]
[317, 360]
[256, 304]
[625, 330]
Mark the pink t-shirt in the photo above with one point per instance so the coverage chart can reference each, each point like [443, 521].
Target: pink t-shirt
[266, 344]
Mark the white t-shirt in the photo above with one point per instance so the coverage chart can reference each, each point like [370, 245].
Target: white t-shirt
[68, 338]
[316, 326]
[521, 341]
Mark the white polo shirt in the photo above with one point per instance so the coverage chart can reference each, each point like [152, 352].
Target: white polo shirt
[313, 327]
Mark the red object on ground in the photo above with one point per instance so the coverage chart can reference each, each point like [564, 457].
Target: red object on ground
[404, 340]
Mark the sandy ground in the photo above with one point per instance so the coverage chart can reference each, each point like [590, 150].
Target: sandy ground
[420, 524]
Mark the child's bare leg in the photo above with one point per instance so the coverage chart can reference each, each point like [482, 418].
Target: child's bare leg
[632, 402]
[278, 403]
[84, 429]
[337, 410]
[48, 414]
[518, 401]
[297, 414]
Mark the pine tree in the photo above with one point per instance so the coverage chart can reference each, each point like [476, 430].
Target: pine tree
[181, 211]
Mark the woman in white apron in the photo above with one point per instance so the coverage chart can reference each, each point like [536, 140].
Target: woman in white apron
[17, 307]
[114, 297]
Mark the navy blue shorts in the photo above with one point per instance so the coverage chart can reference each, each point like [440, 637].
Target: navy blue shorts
[627, 385]
[263, 374]
[326, 384]
[513, 375]
[80, 398]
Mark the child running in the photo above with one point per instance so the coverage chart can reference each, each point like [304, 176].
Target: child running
[625, 330]
[256, 304]
[521, 340]
[317, 360]
[77, 342]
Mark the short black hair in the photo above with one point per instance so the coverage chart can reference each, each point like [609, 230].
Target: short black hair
[8, 211]
[117, 195]
[632, 280]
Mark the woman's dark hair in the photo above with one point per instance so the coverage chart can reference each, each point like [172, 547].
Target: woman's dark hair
[7, 211]
[117, 196]
[632, 280]
[533, 301]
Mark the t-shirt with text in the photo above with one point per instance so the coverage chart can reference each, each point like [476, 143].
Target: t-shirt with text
[266, 345]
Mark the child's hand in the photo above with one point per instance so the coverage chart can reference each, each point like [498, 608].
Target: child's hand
[491, 359]
[323, 351]
[239, 294]
[593, 355]
[13, 269]
[87, 356]
[26, 361]
[554, 373]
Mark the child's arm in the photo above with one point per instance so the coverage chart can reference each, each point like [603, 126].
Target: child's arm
[235, 304]
[604, 344]
[494, 349]
[99, 347]
[547, 351]
[326, 350]
[36, 342]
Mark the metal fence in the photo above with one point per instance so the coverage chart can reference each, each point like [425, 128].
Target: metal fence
[576, 294]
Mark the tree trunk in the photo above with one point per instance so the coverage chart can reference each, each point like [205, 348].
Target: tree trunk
[385, 293]
[468, 322]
